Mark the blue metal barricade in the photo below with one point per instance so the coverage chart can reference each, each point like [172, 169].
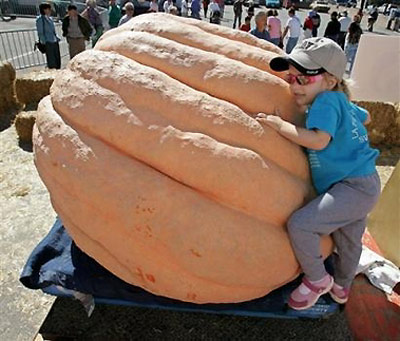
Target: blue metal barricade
[17, 48]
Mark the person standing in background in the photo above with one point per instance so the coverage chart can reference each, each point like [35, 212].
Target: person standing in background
[205, 7]
[345, 22]
[332, 30]
[293, 27]
[351, 41]
[308, 25]
[47, 35]
[114, 14]
[237, 10]
[77, 30]
[195, 9]
[372, 17]
[274, 27]
[129, 11]
[316, 20]
[261, 24]
[92, 15]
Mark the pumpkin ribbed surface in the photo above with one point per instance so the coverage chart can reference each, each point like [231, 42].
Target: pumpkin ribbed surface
[156, 167]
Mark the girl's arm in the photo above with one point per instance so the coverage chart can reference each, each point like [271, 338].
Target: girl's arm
[312, 139]
[368, 119]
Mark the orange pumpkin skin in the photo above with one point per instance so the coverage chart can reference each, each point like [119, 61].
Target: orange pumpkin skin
[237, 45]
[173, 189]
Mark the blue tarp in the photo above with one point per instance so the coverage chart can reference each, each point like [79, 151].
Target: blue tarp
[57, 261]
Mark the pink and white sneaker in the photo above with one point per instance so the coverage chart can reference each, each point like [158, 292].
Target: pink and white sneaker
[308, 293]
[339, 294]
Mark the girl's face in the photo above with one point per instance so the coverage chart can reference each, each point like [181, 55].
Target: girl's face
[305, 94]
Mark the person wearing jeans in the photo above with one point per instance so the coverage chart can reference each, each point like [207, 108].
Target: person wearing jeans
[293, 29]
[47, 35]
[274, 27]
[351, 42]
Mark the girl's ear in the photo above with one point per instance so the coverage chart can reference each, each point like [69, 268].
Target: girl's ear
[331, 81]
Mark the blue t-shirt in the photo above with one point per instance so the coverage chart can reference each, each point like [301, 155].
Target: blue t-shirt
[262, 35]
[348, 153]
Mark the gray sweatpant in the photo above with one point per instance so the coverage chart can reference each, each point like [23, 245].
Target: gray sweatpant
[342, 212]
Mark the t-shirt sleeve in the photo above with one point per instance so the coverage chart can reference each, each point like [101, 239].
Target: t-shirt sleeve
[323, 115]
[360, 112]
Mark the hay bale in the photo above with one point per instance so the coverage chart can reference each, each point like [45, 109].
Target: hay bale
[32, 87]
[24, 122]
[8, 98]
[385, 122]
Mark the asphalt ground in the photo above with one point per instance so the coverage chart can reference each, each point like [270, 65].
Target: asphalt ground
[68, 319]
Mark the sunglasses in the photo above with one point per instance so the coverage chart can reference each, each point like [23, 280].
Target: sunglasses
[302, 79]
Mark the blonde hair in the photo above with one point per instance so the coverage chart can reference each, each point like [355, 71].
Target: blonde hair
[341, 85]
[260, 15]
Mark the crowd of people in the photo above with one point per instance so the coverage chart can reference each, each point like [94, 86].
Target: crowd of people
[341, 28]
[79, 28]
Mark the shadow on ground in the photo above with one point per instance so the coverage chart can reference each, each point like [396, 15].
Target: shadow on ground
[26, 146]
[68, 320]
[7, 119]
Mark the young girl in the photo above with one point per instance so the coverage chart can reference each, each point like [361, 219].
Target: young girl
[342, 168]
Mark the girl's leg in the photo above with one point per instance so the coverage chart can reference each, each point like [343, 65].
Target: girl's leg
[349, 246]
[345, 203]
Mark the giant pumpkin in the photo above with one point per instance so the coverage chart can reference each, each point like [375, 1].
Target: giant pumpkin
[159, 171]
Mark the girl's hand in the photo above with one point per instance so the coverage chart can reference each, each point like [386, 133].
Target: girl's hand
[275, 122]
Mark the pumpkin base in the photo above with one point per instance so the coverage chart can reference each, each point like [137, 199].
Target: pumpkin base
[78, 268]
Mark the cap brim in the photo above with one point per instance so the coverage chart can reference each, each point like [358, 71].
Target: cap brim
[279, 63]
[299, 60]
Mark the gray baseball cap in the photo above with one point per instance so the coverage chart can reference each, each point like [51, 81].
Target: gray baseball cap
[314, 56]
